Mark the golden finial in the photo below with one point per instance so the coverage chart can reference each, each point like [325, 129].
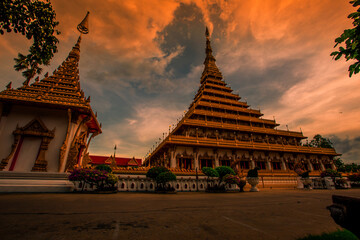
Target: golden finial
[8, 86]
[207, 33]
[26, 82]
[83, 27]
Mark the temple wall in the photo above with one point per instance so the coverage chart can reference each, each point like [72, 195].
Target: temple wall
[271, 161]
[21, 116]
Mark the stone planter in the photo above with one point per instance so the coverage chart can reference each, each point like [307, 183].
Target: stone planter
[253, 181]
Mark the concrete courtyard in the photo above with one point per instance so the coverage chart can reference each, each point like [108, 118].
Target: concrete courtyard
[269, 214]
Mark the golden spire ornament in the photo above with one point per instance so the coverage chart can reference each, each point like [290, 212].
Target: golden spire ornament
[83, 27]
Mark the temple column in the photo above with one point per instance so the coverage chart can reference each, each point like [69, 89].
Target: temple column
[283, 164]
[268, 165]
[311, 168]
[216, 160]
[252, 162]
[322, 167]
[172, 159]
[196, 158]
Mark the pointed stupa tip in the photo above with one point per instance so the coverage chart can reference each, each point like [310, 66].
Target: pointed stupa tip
[83, 27]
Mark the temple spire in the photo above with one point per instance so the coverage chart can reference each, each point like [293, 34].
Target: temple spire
[83, 27]
[210, 66]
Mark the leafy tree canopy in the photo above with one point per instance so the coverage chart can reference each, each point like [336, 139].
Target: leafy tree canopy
[351, 37]
[320, 142]
[34, 19]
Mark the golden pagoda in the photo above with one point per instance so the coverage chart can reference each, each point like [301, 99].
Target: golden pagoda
[220, 130]
[46, 125]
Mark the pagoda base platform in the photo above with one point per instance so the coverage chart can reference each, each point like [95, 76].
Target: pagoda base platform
[34, 182]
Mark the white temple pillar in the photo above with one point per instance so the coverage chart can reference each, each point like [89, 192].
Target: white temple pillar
[283, 165]
[268, 165]
[252, 163]
[216, 160]
[172, 159]
[311, 168]
[322, 167]
[196, 160]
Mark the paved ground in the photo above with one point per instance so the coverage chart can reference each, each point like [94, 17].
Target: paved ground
[269, 214]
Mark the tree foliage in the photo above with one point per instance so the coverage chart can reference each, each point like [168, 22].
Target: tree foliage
[224, 170]
[210, 172]
[320, 142]
[165, 177]
[155, 171]
[104, 167]
[342, 167]
[351, 38]
[35, 20]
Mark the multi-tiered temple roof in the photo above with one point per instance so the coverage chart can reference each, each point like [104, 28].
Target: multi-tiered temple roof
[61, 90]
[218, 119]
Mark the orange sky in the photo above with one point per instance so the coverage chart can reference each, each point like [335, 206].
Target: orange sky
[142, 60]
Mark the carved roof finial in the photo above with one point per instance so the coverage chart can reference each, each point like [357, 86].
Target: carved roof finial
[8, 86]
[210, 66]
[26, 82]
[83, 27]
[207, 35]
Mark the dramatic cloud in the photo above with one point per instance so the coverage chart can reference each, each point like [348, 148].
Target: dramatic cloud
[142, 61]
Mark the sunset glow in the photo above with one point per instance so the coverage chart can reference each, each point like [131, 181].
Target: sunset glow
[142, 60]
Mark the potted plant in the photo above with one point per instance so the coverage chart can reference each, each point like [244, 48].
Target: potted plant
[253, 179]
[162, 181]
[211, 174]
[102, 180]
[234, 179]
[304, 180]
[331, 175]
[223, 171]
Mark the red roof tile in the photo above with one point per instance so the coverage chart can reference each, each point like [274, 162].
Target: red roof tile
[120, 161]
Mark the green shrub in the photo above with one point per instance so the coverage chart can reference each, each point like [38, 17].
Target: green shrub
[104, 167]
[231, 179]
[101, 179]
[253, 172]
[330, 173]
[165, 177]
[155, 171]
[210, 172]
[223, 170]
[340, 234]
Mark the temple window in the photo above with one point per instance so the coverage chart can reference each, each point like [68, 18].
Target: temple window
[291, 166]
[327, 166]
[261, 165]
[225, 162]
[276, 165]
[206, 163]
[185, 163]
[316, 166]
[244, 164]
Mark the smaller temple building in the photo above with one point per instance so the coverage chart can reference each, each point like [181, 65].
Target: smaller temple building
[46, 126]
[114, 162]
